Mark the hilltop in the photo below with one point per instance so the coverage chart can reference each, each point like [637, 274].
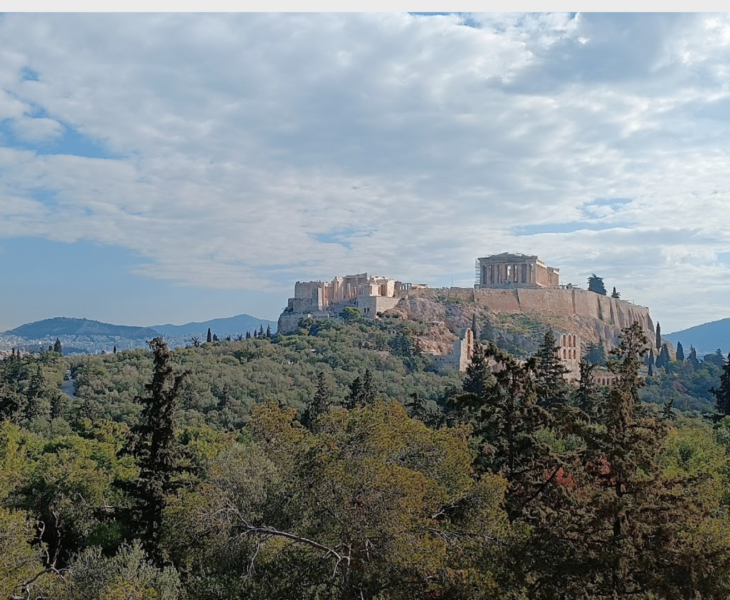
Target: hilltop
[706, 338]
[221, 327]
[64, 326]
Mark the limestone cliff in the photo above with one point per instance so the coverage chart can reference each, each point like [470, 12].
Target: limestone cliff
[591, 316]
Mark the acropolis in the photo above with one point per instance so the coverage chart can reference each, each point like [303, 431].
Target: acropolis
[504, 271]
[370, 294]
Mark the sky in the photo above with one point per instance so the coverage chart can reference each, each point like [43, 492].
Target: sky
[165, 168]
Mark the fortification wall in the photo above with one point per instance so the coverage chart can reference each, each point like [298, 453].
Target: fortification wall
[565, 303]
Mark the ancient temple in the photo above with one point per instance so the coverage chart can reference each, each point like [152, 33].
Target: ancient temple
[505, 271]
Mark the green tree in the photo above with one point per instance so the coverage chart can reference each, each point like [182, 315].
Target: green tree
[596, 354]
[58, 347]
[209, 337]
[155, 445]
[680, 352]
[595, 284]
[722, 394]
[662, 361]
[320, 404]
[615, 294]
[658, 336]
[552, 389]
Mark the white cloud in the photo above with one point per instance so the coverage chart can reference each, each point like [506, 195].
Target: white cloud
[245, 145]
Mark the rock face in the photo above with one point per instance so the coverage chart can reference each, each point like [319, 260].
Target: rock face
[591, 316]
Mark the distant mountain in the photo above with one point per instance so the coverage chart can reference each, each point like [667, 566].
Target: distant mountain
[60, 326]
[706, 338]
[221, 327]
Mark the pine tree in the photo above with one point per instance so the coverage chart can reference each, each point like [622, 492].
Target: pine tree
[680, 352]
[552, 389]
[658, 336]
[722, 394]
[268, 331]
[596, 354]
[155, 445]
[248, 335]
[595, 284]
[209, 337]
[261, 330]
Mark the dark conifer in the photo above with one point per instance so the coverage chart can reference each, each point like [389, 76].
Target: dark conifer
[552, 389]
[658, 336]
[615, 294]
[209, 337]
[155, 445]
[680, 352]
[57, 346]
[722, 394]
[319, 405]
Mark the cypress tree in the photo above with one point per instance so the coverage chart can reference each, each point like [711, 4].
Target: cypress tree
[662, 361]
[692, 358]
[209, 337]
[268, 331]
[722, 394]
[550, 373]
[586, 397]
[658, 336]
[368, 390]
[154, 446]
[320, 404]
[355, 395]
[261, 330]
[474, 328]
[478, 374]
[680, 352]
[57, 346]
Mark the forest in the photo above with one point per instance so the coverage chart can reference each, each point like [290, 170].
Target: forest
[336, 464]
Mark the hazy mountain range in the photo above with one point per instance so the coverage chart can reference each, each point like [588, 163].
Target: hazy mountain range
[64, 326]
[706, 338]
[221, 327]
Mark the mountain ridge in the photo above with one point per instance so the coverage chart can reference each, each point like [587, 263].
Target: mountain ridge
[706, 337]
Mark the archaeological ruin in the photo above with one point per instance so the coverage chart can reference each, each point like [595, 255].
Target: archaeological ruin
[504, 271]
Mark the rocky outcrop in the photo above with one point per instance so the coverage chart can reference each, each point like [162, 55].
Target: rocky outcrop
[591, 316]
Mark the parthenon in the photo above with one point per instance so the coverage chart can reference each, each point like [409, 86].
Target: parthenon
[515, 271]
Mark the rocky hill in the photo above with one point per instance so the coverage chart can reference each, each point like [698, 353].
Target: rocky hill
[64, 326]
[521, 316]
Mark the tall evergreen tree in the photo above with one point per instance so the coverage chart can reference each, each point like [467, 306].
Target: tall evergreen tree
[595, 284]
[692, 358]
[552, 389]
[680, 352]
[586, 397]
[662, 361]
[474, 327]
[320, 404]
[57, 346]
[354, 397]
[722, 394]
[268, 331]
[368, 390]
[209, 337]
[154, 445]
[658, 337]
[478, 375]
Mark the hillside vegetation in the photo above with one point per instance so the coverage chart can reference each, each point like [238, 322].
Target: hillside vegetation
[334, 465]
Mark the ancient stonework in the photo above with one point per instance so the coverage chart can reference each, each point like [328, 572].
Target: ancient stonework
[508, 271]
[327, 299]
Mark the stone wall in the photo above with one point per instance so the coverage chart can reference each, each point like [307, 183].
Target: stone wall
[604, 315]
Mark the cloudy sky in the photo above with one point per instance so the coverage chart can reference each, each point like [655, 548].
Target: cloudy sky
[167, 168]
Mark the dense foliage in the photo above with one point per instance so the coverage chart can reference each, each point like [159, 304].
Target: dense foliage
[335, 465]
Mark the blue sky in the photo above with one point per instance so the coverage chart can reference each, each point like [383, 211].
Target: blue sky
[176, 167]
